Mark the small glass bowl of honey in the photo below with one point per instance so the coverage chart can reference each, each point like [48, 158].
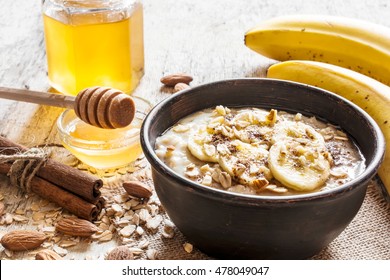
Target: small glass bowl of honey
[103, 148]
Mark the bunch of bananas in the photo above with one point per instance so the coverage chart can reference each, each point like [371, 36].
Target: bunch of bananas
[328, 52]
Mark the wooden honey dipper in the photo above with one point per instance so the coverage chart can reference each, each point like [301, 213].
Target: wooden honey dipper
[98, 106]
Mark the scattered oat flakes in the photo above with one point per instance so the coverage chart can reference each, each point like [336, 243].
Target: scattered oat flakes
[51, 214]
[153, 209]
[104, 226]
[19, 211]
[68, 243]
[2, 208]
[60, 251]
[144, 243]
[20, 218]
[127, 231]
[152, 254]
[38, 216]
[139, 230]
[35, 207]
[144, 215]
[6, 219]
[49, 229]
[128, 242]
[56, 239]
[122, 171]
[109, 174]
[135, 219]
[102, 236]
[188, 247]
[119, 198]
[154, 223]
[136, 251]
[168, 230]
[8, 253]
[168, 233]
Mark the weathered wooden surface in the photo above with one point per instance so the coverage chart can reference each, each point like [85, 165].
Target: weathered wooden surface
[203, 38]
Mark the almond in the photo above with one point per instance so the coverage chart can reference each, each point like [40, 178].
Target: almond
[76, 227]
[22, 240]
[138, 189]
[120, 253]
[47, 255]
[172, 80]
[180, 86]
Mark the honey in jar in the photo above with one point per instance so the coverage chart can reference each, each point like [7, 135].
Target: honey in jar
[94, 43]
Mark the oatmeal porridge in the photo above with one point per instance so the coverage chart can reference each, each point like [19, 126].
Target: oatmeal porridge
[256, 151]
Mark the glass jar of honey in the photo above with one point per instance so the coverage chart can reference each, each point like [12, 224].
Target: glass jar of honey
[93, 43]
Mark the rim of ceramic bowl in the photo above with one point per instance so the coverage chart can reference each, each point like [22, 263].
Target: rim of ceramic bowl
[158, 164]
[145, 107]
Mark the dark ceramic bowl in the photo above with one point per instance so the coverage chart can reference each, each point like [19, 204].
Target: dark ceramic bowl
[229, 225]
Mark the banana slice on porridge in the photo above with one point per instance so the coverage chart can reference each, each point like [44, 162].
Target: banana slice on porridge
[254, 134]
[247, 164]
[297, 131]
[254, 117]
[254, 126]
[200, 144]
[299, 166]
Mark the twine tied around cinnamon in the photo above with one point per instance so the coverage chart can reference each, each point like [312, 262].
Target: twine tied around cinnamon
[24, 167]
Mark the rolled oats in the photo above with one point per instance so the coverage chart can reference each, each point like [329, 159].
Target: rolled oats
[152, 254]
[144, 215]
[144, 243]
[127, 231]
[188, 247]
[139, 230]
[153, 223]
[60, 251]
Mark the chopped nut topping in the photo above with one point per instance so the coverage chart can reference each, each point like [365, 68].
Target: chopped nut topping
[225, 180]
[272, 117]
[298, 117]
[260, 183]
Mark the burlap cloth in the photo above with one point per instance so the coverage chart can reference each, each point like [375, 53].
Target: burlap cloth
[367, 237]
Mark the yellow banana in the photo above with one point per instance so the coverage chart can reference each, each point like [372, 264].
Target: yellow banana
[355, 44]
[369, 94]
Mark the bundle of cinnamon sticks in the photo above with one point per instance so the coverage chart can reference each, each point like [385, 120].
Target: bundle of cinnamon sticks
[70, 188]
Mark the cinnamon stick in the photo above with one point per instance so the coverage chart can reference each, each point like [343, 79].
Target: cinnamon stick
[63, 198]
[79, 183]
